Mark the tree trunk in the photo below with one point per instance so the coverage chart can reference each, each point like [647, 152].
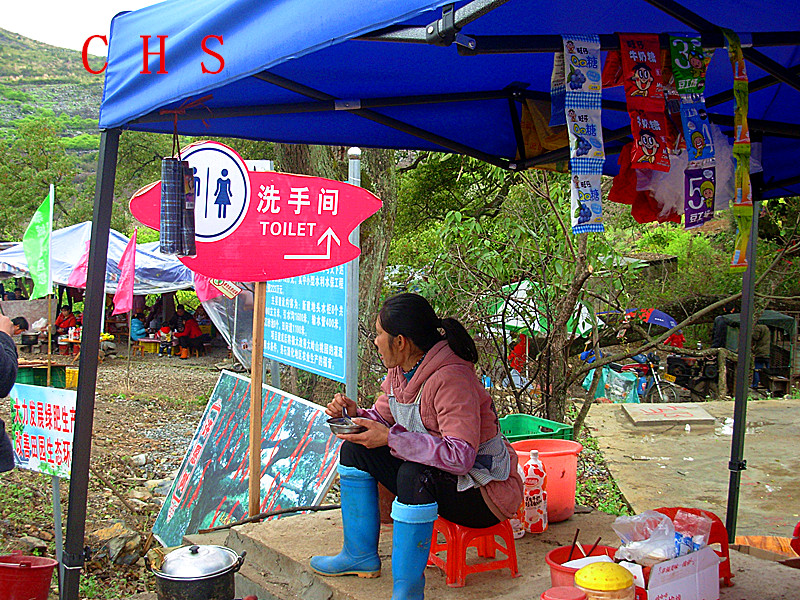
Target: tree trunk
[557, 353]
[379, 176]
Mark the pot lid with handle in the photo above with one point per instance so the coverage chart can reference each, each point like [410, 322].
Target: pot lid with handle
[194, 562]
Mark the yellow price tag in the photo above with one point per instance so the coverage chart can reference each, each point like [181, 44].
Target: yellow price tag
[668, 377]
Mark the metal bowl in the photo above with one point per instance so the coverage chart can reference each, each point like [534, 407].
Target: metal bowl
[339, 425]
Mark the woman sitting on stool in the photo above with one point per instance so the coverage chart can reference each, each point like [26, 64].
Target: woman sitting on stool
[190, 336]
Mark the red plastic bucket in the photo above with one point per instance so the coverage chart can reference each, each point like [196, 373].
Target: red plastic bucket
[560, 460]
[26, 577]
[565, 576]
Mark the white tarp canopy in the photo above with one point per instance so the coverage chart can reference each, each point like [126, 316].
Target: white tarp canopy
[156, 273]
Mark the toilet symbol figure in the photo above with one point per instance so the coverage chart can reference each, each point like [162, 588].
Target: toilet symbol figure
[223, 194]
[197, 187]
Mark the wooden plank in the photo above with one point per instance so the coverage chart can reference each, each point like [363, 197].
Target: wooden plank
[256, 360]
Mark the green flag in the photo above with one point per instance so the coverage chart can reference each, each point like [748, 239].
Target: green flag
[36, 243]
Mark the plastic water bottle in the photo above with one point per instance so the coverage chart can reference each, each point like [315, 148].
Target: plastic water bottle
[535, 494]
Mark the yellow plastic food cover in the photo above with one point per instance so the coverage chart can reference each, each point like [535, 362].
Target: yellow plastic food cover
[604, 576]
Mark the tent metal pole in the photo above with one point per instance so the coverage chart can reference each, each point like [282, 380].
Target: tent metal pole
[754, 86]
[87, 373]
[545, 44]
[737, 464]
[381, 119]
[695, 21]
[422, 34]
[327, 104]
[776, 185]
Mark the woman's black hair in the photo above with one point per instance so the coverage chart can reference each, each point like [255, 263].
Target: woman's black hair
[412, 315]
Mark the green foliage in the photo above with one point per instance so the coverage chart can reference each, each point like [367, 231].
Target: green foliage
[14, 94]
[595, 486]
[702, 264]
[33, 157]
[84, 141]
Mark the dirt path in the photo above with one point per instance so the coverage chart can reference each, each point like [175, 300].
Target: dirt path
[144, 419]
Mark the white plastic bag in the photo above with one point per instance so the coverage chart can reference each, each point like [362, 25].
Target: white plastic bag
[39, 324]
[647, 538]
[691, 532]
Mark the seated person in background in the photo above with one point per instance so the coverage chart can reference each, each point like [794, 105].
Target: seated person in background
[517, 360]
[761, 346]
[201, 316]
[138, 330]
[64, 321]
[9, 296]
[18, 295]
[190, 337]
[164, 335]
[178, 318]
[20, 325]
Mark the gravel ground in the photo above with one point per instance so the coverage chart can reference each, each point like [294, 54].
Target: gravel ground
[145, 415]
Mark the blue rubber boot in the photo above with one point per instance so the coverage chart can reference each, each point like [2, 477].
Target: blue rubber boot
[411, 543]
[361, 521]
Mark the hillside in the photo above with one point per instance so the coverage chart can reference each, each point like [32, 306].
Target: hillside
[39, 79]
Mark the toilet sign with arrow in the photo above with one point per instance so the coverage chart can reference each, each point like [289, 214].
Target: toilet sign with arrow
[260, 226]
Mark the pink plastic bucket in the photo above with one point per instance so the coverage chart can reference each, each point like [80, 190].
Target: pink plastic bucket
[565, 576]
[560, 460]
[25, 577]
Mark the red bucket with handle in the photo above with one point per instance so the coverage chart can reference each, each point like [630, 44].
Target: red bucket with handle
[25, 577]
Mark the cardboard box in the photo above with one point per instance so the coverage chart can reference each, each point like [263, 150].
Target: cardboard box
[691, 577]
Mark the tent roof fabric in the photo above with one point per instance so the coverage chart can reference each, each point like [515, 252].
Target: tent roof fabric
[156, 273]
[771, 318]
[294, 72]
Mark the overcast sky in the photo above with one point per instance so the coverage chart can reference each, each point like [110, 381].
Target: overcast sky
[64, 23]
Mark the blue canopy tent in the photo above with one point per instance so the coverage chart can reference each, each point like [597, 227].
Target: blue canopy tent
[416, 74]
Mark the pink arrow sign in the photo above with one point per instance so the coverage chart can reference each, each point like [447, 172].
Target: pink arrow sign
[292, 225]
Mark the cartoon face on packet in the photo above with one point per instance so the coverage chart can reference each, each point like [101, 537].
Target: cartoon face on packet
[697, 62]
[649, 145]
[698, 143]
[572, 116]
[642, 78]
[570, 46]
[707, 191]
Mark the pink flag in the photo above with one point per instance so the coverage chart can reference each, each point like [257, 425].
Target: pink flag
[204, 289]
[77, 279]
[123, 299]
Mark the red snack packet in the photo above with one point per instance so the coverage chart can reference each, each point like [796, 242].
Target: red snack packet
[641, 71]
[649, 131]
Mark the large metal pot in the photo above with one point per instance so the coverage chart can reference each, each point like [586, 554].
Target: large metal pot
[30, 339]
[197, 573]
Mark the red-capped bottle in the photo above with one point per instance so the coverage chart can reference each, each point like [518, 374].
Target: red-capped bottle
[535, 494]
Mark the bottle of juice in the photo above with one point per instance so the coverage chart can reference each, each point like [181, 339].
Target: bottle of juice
[535, 494]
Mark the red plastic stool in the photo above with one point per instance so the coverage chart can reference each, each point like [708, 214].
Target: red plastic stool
[795, 543]
[456, 541]
[718, 535]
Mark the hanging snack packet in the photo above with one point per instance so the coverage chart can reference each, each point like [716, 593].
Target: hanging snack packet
[649, 141]
[699, 193]
[641, 71]
[585, 132]
[688, 64]
[696, 128]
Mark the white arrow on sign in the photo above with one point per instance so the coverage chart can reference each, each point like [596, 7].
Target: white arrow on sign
[328, 234]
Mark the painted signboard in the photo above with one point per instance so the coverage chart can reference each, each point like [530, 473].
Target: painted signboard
[262, 225]
[42, 427]
[298, 460]
[305, 322]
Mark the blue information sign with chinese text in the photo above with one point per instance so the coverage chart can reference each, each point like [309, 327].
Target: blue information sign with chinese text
[305, 322]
